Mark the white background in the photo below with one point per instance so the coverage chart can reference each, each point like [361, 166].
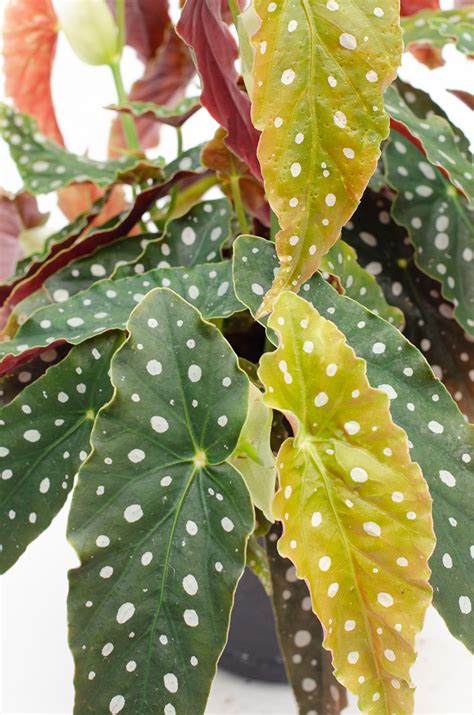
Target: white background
[36, 667]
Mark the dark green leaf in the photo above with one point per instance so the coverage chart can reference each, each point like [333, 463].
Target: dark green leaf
[159, 518]
[44, 166]
[439, 222]
[440, 439]
[44, 437]
[308, 664]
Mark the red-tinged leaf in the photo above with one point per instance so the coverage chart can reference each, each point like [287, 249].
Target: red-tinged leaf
[411, 7]
[146, 22]
[79, 198]
[432, 57]
[466, 97]
[29, 46]
[16, 214]
[215, 51]
[166, 77]
[10, 249]
[218, 157]
[62, 254]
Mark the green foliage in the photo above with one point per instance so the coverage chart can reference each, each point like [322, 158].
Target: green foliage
[154, 615]
[196, 441]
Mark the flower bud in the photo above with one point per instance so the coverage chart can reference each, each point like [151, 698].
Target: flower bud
[90, 29]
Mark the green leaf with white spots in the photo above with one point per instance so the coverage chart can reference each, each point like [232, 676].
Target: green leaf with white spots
[438, 141]
[81, 274]
[424, 106]
[319, 73]
[175, 116]
[44, 437]
[355, 509]
[25, 374]
[108, 303]
[358, 283]
[439, 222]
[441, 441]
[197, 237]
[188, 160]
[385, 250]
[440, 27]
[253, 456]
[159, 518]
[45, 166]
[308, 665]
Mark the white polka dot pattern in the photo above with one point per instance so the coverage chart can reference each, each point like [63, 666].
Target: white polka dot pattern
[402, 367]
[158, 481]
[44, 437]
[318, 137]
[367, 559]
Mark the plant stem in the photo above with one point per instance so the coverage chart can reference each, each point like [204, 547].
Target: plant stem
[179, 135]
[239, 208]
[128, 124]
[234, 9]
[127, 121]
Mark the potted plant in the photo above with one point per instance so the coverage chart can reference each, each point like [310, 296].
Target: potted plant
[276, 377]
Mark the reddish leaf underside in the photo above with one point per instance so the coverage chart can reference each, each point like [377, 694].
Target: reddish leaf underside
[29, 47]
[146, 22]
[202, 26]
[411, 7]
[166, 76]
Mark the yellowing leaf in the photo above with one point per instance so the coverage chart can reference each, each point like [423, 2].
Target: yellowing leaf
[319, 74]
[355, 508]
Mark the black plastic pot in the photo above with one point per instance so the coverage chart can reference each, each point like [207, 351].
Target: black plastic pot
[253, 650]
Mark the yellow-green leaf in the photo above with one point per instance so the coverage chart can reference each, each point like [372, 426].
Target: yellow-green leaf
[319, 74]
[355, 508]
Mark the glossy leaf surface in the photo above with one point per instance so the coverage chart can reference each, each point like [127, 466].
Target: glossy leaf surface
[44, 437]
[385, 250]
[307, 663]
[358, 283]
[319, 75]
[154, 616]
[356, 510]
[439, 222]
[197, 237]
[46, 167]
[438, 141]
[442, 442]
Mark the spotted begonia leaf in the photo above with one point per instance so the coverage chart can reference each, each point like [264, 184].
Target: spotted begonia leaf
[356, 510]
[437, 139]
[424, 106]
[175, 116]
[441, 441]
[358, 283]
[439, 27]
[75, 244]
[154, 617]
[80, 275]
[189, 160]
[253, 455]
[439, 222]
[44, 437]
[30, 33]
[108, 303]
[44, 166]
[320, 140]
[197, 237]
[308, 665]
[385, 250]
[24, 375]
